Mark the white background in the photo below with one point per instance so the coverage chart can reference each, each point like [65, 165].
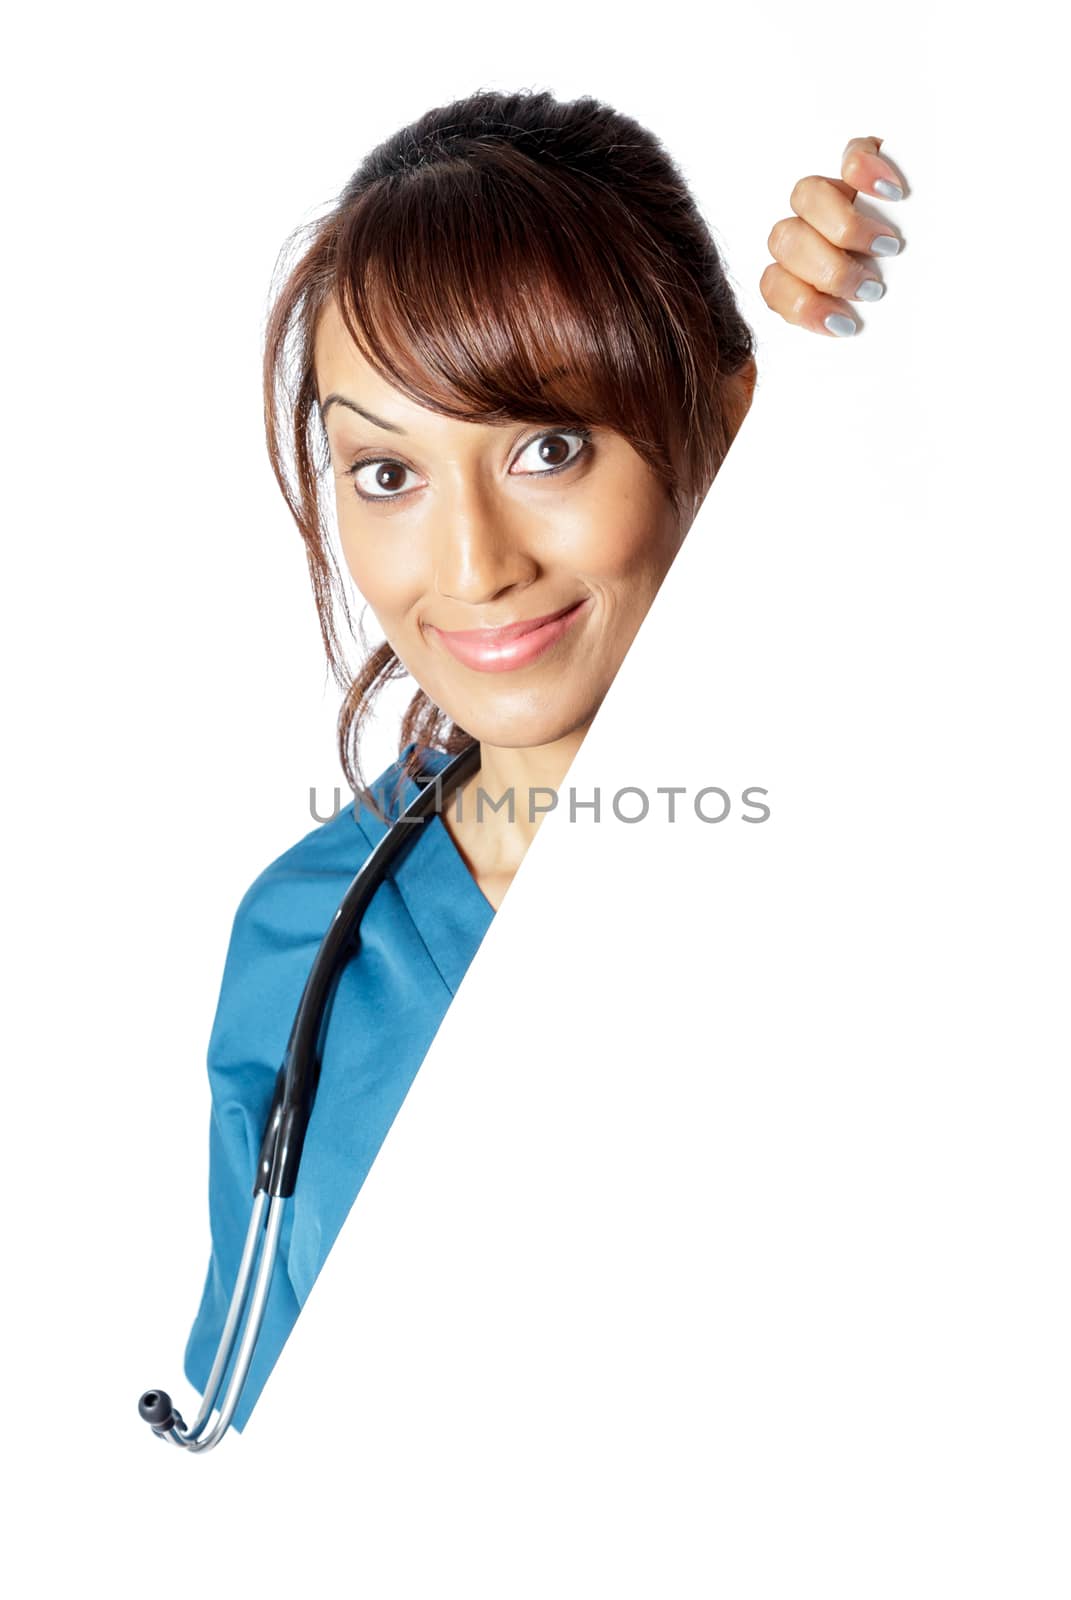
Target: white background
[721, 1246]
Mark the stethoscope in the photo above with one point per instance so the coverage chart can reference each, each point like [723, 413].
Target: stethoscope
[288, 1119]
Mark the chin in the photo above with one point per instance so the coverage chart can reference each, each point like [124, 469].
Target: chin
[520, 730]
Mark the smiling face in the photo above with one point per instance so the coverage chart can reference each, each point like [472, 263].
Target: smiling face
[460, 527]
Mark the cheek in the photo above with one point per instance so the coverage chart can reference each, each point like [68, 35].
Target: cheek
[631, 543]
[379, 571]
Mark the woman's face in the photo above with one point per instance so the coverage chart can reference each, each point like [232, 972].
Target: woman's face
[453, 528]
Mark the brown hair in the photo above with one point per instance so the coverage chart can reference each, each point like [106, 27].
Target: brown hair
[506, 257]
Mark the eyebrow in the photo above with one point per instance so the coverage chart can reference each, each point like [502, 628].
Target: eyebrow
[335, 399]
[351, 405]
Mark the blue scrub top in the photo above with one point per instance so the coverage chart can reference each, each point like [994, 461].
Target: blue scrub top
[418, 936]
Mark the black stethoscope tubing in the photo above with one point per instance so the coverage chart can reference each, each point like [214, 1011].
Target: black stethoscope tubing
[288, 1119]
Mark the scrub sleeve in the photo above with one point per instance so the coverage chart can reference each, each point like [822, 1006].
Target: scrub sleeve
[418, 935]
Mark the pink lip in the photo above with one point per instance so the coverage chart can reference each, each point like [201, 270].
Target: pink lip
[502, 649]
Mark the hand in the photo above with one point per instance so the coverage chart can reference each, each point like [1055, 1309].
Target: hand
[828, 254]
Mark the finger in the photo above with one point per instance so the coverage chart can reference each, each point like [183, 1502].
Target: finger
[869, 172]
[826, 204]
[800, 303]
[808, 255]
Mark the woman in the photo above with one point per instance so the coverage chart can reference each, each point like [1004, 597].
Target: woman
[512, 347]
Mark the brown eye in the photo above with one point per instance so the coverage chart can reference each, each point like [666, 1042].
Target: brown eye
[554, 450]
[378, 480]
[550, 452]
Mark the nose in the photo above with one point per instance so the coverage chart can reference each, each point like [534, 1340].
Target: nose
[482, 545]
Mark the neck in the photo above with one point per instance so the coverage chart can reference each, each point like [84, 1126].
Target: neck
[497, 830]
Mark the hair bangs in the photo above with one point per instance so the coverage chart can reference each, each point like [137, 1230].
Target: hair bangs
[488, 297]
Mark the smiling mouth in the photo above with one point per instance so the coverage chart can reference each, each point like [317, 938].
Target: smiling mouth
[514, 645]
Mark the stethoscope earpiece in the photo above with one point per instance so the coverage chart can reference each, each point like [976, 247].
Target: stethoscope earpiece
[156, 1409]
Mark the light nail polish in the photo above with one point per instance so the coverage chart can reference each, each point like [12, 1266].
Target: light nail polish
[841, 326]
[887, 190]
[884, 245]
[870, 289]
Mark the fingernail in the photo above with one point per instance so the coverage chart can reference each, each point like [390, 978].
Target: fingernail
[870, 289]
[884, 245]
[887, 190]
[841, 326]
